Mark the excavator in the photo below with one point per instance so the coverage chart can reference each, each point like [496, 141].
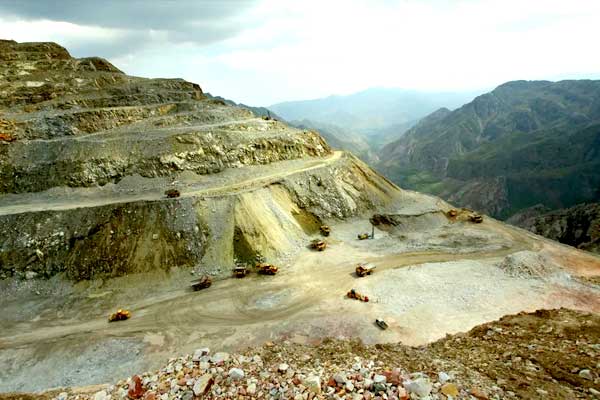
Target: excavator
[353, 294]
[366, 235]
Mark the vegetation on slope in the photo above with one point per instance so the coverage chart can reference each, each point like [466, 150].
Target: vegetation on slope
[522, 144]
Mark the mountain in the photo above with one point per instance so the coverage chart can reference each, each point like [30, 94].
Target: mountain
[340, 138]
[258, 111]
[524, 143]
[578, 226]
[121, 192]
[94, 150]
[372, 110]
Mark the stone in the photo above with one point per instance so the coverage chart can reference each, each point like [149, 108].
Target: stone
[349, 386]
[219, 357]
[199, 353]
[420, 386]
[443, 377]
[368, 383]
[586, 374]
[379, 387]
[313, 384]
[478, 394]
[30, 275]
[402, 394]
[187, 395]
[236, 374]
[251, 389]
[150, 395]
[203, 384]
[62, 396]
[136, 390]
[283, 367]
[379, 379]
[340, 378]
[102, 395]
[449, 389]
[203, 365]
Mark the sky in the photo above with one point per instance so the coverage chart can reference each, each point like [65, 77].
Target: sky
[260, 52]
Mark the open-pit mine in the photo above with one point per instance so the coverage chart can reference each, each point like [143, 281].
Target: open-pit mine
[117, 192]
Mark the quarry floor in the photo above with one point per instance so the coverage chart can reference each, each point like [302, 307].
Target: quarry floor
[427, 283]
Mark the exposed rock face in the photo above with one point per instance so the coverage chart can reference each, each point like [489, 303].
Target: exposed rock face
[82, 122]
[577, 226]
[524, 143]
[87, 152]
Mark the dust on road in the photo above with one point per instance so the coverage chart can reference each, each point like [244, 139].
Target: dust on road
[423, 293]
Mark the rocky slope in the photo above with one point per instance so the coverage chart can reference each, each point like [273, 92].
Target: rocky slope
[86, 153]
[577, 226]
[70, 122]
[545, 354]
[522, 144]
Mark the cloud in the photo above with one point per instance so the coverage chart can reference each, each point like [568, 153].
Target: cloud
[264, 51]
[132, 24]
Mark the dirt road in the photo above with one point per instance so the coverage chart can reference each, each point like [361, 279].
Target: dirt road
[423, 294]
[227, 182]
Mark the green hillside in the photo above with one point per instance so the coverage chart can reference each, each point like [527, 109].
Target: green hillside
[524, 143]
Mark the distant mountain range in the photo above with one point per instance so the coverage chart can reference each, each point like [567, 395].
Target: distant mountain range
[524, 143]
[258, 111]
[372, 110]
[364, 122]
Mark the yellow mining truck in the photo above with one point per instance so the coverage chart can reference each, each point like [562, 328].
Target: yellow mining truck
[120, 315]
[240, 271]
[353, 294]
[201, 283]
[452, 213]
[318, 244]
[364, 270]
[266, 269]
[476, 218]
[172, 193]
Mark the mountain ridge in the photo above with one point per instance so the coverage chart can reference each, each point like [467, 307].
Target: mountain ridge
[508, 144]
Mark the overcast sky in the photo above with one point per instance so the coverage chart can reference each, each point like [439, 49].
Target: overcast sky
[265, 51]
